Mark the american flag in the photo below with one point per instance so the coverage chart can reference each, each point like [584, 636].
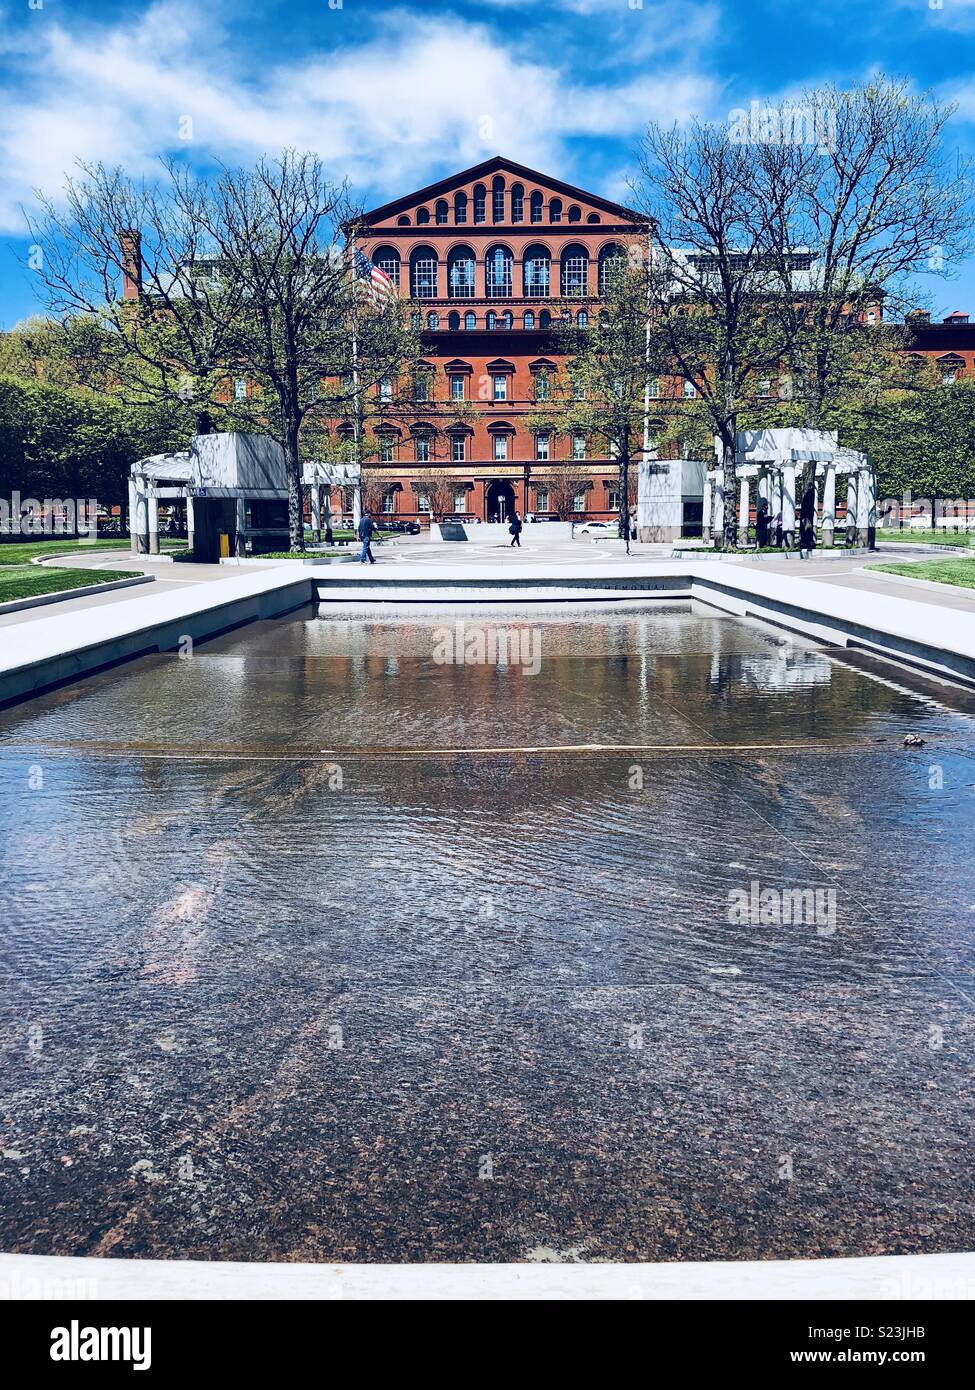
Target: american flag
[378, 283]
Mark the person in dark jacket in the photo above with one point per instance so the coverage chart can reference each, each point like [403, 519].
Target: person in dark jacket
[762, 523]
[515, 529]
[366, 528]
[807, 523]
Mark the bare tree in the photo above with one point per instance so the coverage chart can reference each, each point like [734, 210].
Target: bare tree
[710, 283]
[247, 273]
[602, 393]
[870, 205]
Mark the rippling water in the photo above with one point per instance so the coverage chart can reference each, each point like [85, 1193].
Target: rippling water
[316, 946]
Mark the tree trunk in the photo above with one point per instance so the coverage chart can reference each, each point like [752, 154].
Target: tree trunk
[624, 484]
[729, 538]
[292, 463]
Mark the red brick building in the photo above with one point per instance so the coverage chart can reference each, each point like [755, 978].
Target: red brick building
[489, 258]
[950, 344]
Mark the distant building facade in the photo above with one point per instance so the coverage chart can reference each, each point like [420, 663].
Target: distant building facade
[488, 259]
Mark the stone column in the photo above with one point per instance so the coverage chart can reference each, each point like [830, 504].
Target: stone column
[140, 519]
[707, 517]
[866, 509]
[851, 508]
[829, 503]
[742, 510]
[718, 504]
[316, 513]
[239, 525]
[133, 506]
[152, 511]
[788, 504]
[190, 523]
[356, 506]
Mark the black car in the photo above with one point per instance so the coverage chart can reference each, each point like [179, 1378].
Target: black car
[403, 528]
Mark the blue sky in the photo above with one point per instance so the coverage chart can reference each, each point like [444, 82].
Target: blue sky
[395, 94]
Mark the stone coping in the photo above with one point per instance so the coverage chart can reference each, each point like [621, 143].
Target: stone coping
[42, 600]
[48, 651]
[881, 1277]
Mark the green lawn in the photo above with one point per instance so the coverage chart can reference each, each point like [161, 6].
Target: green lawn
[20, 553]
[939, 537]
[958, 572]
[24, 581]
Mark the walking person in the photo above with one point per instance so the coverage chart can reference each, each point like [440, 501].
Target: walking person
[807, 523]
[366, 528]
[515, 529]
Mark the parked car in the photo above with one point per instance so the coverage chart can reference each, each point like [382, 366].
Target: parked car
[597, 528]
[402, 528]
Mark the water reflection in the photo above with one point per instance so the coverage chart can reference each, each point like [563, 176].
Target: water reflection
[287, 952]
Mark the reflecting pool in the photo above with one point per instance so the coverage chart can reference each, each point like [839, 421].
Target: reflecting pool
[628, 934]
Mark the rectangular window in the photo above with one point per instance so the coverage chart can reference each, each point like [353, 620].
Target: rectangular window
[690, 390]
[460, 501]
[500, 388]
[385, 448]
[541, 499]
[541, 386]
[421, 387]
[655, 390]
[579, 502]
[422, 502]
[458, 448]
[240, 390]
[386, 389]
[578, 446]
[765, 386]
[614, 500]
[456, 388]
[541, 446]
[421, 449]
[389, 503]
[500, 447]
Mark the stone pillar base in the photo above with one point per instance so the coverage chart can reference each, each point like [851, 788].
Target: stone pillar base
[658, 534]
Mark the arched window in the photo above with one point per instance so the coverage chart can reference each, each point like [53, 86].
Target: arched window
[491, 320]
[460, 273]
[441, 213]
[480, 201]
[470, 321]
[545, 319]
[575, 272]
[593, 218]
[460, 208]
[497, 199]
[537, 270]
[582, 319]
[433, 321]
[402, 221]
[453, 321]
[529, 319]
[507, 319]
[535, 207]
[423, 273]
[387, 259]
[497, 265]
[575, 213]
[555, 210]
[517, 203]
[423, 217]
[612, 259]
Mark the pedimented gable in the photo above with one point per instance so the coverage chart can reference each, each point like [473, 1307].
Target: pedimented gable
[523, 196]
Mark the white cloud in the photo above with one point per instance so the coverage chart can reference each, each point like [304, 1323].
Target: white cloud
[389, 113]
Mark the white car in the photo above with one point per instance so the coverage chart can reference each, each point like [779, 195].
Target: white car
[597, 528]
